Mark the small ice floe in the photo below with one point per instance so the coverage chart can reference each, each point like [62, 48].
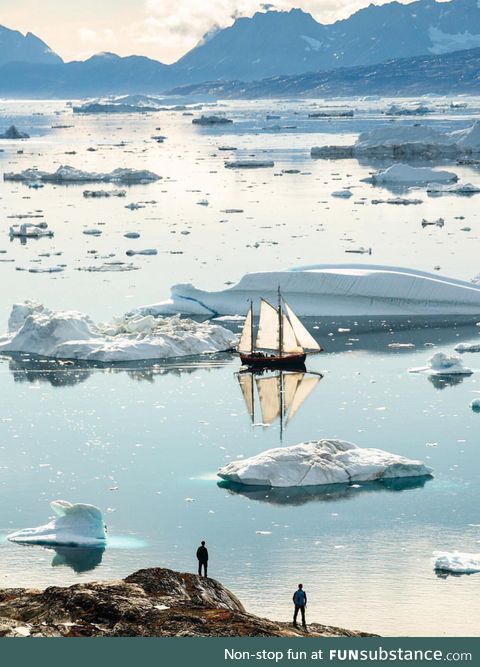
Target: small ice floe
[67, 174]
[94, 231]
[415, 110]
[342, 194]
[211, 120]
[398, 201]
[443, 364]
[332, 113]
[320, 462]
[29, 230]
[134, 206]
[453, 189]
[475, 404]
[203, 202]
[401, 346]
[74, 524]
[467, 347]
[439, 222]
[34, 329]
[14, 133]
[115, 267]
[104, 193]
[249, 164]
[405, 174]
[456, 562]
[359, 251]
[145, 251]
[132, 235]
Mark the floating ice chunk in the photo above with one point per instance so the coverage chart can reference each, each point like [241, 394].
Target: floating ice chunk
[74, 525]
[94, 231]
[398, 201]
[132, 235]
[416, 110]
[28, 230]
[443, 364]
[34, 329]
[333, 289]
[467, 347]
[404, 173]
[145, 251]
[320, 462]
[104, 193]
[475, 404]
[212, 120]
[67, 174]
[344, 194]
[457, 562]
[454, 188]
[332, 113]
[249, 164]
[14, 133]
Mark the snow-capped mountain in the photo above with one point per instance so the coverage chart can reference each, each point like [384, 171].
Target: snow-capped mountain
[15, 47]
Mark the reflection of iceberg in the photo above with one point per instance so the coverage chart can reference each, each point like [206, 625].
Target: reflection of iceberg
[34, 329]
[333, 290]
[80, 559]
[320, 462]
[300, 495]
[445, 381]
[74, 524]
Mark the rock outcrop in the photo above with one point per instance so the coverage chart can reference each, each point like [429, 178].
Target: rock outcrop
[154, 602]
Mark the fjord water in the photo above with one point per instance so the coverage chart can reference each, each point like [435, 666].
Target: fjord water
[144, 442]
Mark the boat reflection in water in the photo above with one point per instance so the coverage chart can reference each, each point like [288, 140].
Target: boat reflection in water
[300, 495]
[276, 394]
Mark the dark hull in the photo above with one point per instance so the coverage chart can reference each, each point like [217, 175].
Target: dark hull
[285, 361]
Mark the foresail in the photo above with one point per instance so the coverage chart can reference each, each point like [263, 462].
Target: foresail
[267, 335]
[245, 343]
[304, 338]
[269, 396]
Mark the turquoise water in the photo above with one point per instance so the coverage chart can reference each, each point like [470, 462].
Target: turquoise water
[144, 442]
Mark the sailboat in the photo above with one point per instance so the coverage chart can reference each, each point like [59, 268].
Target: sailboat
[279, 394]
[281, 340]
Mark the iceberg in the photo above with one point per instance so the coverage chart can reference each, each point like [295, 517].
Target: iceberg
[454, 188]
[28, 230]
[443, 364]
[332, 289]
[457, 562]
[34, 329]
[14, 133]
[417, 110]
[67, 174]
[249, 164]
[320, 462]
[104, 193]
[405, 174]
[212, 120]
[74, 524]
[407, 141]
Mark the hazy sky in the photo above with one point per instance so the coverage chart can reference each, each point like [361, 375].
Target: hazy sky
[160, 29]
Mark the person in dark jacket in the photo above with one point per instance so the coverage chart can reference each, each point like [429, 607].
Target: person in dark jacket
[202, 557]
[300, 602]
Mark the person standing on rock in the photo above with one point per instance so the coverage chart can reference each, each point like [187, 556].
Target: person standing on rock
[300, 602]
[202, 557]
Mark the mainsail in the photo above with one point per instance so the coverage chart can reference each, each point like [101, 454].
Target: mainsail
[268, 329]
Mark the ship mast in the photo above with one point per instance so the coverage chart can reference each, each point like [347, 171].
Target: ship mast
[252, 345]
[280, 324]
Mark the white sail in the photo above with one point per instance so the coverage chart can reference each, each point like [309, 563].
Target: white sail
[304, 389]
[246, 385]
[304, 338]
[245, 343]
[269, 396]
[268, 334]
[290, 343]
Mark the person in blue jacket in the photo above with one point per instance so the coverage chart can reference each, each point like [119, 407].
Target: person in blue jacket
[300, 602]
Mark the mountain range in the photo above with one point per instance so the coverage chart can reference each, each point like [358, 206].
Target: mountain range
[269, 44]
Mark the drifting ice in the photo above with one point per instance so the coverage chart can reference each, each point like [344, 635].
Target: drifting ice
[34, 329]
[457, 562]
[74, 525]
[333, 289]
[403, 173]
[67, 174]
[443, 364]
[320, 462]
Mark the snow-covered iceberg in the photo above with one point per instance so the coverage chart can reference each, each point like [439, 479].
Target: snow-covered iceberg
[454, 188]
[407, 141]
[320, 462]
[404, 174]
[74, 524]
[67, 174]
[34, 329]
[333, 289]
[443, 364]
[212, 120]
[457, 562]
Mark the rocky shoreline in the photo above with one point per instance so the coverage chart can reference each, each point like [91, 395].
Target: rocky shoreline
[154, 602]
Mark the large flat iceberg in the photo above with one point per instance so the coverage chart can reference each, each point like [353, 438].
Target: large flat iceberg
[404, 174]
[333, 289]
[320, 462]
[67, 174]
[73, 524]
[457, 562]
[34, 329]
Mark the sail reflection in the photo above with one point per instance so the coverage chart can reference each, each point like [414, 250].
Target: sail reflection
[300, 495]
